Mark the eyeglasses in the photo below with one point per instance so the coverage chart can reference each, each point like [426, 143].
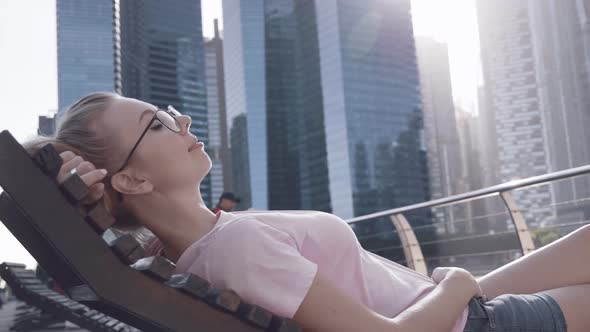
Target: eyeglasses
[167, 118]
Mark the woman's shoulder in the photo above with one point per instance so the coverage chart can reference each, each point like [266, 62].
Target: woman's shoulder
[243, 225]
[270, 212]
[297, 223]
[234, 222]
[230, 235]
[286, 215]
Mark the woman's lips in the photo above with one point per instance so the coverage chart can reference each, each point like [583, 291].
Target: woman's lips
[196, 145]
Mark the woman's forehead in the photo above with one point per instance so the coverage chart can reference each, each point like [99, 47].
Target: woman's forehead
[130, 105]
[125, 113]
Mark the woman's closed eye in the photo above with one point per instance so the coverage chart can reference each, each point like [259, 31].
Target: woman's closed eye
[157, 127]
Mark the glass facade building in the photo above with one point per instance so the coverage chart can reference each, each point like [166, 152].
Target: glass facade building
[217, 119]
[85, 34]
[213, 120]
[332, 88]
[372, 105]
[245, 88]
[512, 94]
[535, 65]
[561, 38]
[444, 150]
[298, 173]
[46, 125]
[161, 60]
[147, 50]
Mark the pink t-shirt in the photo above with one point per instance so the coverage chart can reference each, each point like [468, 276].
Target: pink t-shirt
[270, 259]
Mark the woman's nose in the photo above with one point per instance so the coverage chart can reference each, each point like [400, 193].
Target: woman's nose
[185, 123]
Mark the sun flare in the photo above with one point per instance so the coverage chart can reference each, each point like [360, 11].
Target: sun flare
[454, 23]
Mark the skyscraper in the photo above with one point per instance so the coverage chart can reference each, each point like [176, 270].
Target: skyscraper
[147, 50]
[487, 142]
[162, 60]
[217, 118]
[243, 59]
[323, 105]
[536, 73]
[85, 49]
[373, 119]
[46, 125]
[440, 125]
[512, 91]
[561, 37]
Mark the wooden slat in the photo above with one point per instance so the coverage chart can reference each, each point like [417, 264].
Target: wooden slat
[156, 267]
[255, 315]
[279, 324]
[74, 187]
[224, 299]
[191, 284]
[99, 217]
[124, 245]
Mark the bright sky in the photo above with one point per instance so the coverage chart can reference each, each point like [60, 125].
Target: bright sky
[455, 23]
[211, 9]
[28, 65]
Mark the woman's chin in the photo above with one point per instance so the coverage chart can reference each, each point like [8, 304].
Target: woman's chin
[203, 168]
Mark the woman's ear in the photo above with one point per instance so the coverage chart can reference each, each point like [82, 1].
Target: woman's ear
[129, 183]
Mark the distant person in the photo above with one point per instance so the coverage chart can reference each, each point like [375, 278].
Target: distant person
[227, 202]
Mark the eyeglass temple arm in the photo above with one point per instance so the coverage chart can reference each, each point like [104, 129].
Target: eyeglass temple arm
[136, 144]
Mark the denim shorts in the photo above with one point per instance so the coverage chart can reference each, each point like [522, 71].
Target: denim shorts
[516, 313]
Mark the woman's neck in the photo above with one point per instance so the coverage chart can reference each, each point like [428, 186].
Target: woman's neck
[178, 218]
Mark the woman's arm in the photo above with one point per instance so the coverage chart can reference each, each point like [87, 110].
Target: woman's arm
[326, 308]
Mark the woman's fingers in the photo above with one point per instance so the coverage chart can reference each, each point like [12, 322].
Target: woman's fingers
[85, 167]
[91, 176]
[67, 156]
[72, 163]
[94, 176]
[95, 192]
[67, 167]
[439, 274]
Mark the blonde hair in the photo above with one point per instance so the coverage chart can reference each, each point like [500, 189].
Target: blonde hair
[77, 131]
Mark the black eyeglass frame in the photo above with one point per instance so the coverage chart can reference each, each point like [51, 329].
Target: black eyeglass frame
[170, 111]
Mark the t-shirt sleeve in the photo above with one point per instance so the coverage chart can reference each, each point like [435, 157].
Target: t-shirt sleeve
[262, 264]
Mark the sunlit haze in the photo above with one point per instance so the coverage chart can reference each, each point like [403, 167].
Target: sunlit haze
[454, 23]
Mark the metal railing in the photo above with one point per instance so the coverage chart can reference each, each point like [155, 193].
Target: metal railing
[414, 257]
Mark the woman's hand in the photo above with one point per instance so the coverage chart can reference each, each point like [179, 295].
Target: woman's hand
[457, 276]
[91, 176]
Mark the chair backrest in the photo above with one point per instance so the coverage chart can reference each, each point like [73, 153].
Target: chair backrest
[39, 215]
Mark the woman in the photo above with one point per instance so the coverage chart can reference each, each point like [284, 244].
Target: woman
[146, 167]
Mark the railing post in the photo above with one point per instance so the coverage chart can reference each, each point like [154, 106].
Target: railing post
[412, 249]
[522, 230]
